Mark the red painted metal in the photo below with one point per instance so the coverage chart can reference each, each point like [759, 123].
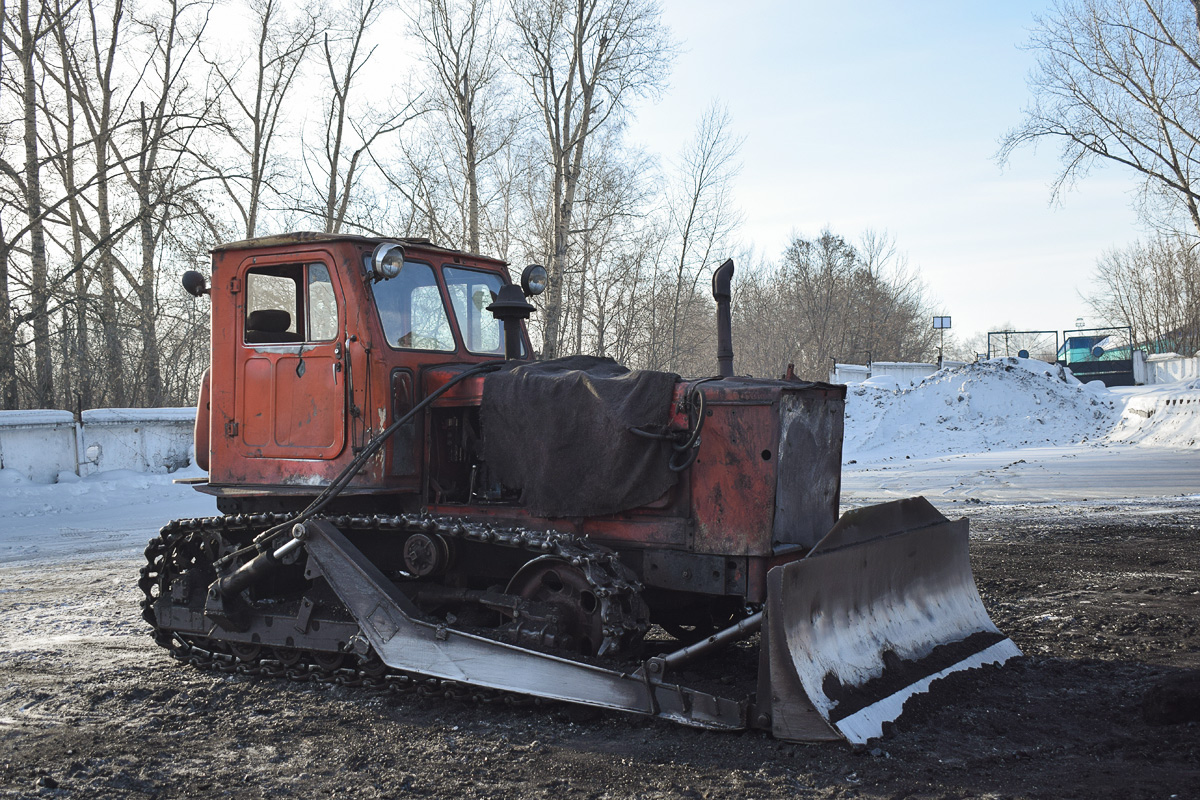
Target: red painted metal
[276, 426]
[201, 433]
[287, 417]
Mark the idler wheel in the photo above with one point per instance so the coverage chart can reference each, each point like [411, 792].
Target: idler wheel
[372, 667]
[287, 656]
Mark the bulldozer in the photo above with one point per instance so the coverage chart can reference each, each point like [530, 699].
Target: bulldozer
[409, 498]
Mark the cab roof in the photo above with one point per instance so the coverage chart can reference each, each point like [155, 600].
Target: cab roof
[311, 237]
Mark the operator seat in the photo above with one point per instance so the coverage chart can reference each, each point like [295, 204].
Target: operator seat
[270, 326]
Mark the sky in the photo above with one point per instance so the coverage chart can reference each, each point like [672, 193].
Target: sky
[887, 116]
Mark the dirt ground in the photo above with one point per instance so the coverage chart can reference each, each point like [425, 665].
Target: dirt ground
[1104, 601]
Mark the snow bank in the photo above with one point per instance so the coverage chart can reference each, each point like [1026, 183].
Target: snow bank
[1163, 417]
[110, 512]
[1004, 403]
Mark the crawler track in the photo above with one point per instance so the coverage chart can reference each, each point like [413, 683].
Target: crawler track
[186, 549]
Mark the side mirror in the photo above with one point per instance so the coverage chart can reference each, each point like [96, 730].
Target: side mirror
[534, 280]
[193, 283]
[386, 261]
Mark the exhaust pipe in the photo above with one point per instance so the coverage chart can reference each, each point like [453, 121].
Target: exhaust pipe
[722, 278]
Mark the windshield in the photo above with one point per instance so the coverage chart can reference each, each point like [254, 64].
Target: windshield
[411, 309]
[471, 292]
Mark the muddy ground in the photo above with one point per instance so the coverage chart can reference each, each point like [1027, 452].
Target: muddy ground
[1104, 601]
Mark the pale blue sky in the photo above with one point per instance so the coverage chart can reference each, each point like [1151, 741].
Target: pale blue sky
[886, 115]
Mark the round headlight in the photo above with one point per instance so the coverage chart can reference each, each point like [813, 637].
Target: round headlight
[534, 280]
[386, 261]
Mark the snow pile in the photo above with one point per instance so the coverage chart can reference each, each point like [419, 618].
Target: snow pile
[1004, 403]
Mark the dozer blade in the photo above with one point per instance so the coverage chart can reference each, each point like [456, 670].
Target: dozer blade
[883, 605]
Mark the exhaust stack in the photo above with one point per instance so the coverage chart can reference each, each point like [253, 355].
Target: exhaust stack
[722, 278]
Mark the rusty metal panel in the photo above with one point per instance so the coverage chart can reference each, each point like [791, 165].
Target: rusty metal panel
[306, 388]
[292, 405]
[810, 464]
[256, 408]
[733, 480]
[694, 572]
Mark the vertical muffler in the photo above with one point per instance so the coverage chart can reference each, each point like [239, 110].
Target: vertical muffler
[721, 281]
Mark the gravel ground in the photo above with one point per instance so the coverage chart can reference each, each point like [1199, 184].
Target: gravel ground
[1104, 601]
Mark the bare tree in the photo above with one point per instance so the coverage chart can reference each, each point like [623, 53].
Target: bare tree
[612, 199]
[460, 51]
[1154, 288]
[1119, 81]
[22, 34]
[257, 88]
[829, 300]
[86, 77]
[159, 170]
[349, 129]
[583, 61]
[702, 217]
[13, 189]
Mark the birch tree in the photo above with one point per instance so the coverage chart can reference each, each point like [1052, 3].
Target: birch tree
[702, 219]
[25, 26]
[349, 129]
[255, 90]
[1154, 288]
[460, 50]
[583, 62]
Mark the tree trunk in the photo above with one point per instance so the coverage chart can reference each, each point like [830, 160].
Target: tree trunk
[43, 388]
[8, 362]
[146, 299]
[80, 357]
[472, 182]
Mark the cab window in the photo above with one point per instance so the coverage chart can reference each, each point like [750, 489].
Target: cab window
[471, 292]
[290, 303]
[411, 309]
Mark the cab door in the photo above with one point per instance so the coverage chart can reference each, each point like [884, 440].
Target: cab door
[290, 384]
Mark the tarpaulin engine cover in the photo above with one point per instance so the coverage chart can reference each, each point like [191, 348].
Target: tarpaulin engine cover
[559, 431]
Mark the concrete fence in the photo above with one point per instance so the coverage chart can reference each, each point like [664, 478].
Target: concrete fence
[1171, 368]
[906, 373]
[42, 444]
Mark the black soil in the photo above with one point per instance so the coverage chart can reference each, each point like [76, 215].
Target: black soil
[1106, 606]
